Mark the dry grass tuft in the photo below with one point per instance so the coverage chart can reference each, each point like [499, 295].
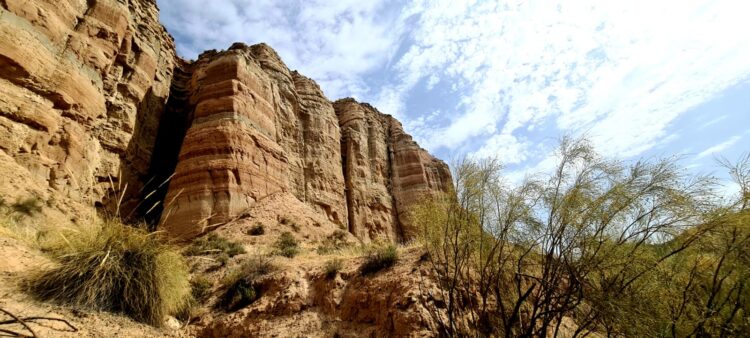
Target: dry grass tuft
[214, 244]
[118, 268]
[333, 267]
[257, 230]
[379, 258]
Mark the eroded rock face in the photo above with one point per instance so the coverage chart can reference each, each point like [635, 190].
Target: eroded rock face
[258, 129]
[386, 172]
[98, 109]
[84, 85]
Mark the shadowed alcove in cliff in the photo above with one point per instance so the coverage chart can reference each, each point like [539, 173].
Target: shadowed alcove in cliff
[153, 151]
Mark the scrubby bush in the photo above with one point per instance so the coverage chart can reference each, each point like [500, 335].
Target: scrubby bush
[333, 267]
[287, 245]
[379, 258]
[602, 246]
[213, 244]
[335, 241]
[257, 229]
[117, 268]
[241, 285]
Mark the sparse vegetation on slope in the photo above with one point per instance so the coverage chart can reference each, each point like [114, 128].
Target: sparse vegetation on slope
[378, 258]
[213, 244]
[334, 242]
[114, 267]
[28, 206]
[287, 245]
[257, 230]
[333, 267]
[241, 285]
[200, 288]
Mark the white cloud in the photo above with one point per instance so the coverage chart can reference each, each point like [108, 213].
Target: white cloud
[506, 147]
[719, 147]
[621, 72]
[335, 43]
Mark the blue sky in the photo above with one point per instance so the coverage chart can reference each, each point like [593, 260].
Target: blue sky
[507, 79]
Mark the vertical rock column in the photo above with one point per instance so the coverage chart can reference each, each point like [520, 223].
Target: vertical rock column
[416, 175]
[366, 164]
[228, 158]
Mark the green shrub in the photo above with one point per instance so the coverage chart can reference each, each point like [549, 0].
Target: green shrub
[333, 267]
[379, 259]
[287, 245]
[257, 230]
[28, 206]
[336, 241]
[214, 244]
[117, 268]
[201, 288]
[241, 285]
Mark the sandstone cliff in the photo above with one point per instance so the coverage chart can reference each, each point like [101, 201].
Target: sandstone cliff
[98, 108]
[84, 86]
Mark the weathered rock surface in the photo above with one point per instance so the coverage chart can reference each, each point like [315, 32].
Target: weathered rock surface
[300, 300]
[97, 108]
[84, 84]
[386, 172]
[258, 129]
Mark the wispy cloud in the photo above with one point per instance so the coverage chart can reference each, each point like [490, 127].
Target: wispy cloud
[719, 147]
[619, 71]
[498, 78]
[336, 43]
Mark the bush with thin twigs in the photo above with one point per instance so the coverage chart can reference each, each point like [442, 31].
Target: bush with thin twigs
[333, 267]
[379, 258]
[241, 285]
[115, 267]
[214, 244]
[287, 245]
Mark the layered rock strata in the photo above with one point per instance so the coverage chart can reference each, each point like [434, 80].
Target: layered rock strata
[259, 129]
[83, 88]
[97, 108]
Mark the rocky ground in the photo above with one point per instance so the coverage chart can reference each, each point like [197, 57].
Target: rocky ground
[299, 298]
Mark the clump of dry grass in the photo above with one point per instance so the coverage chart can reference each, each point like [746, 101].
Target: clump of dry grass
[115, 267]
[333, 267]
[333, 243]
[257, 230]
[214, 244]
[379, 258]
[28, 206]
[201, 288]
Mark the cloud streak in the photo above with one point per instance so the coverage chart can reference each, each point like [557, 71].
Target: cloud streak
[718, 148]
